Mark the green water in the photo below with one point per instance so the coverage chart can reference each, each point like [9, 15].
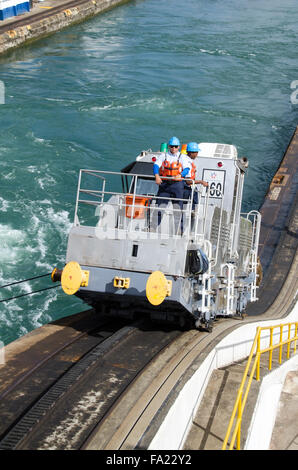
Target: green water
[96, 94]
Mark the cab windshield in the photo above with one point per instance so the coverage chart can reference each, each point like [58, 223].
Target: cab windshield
[146, 187]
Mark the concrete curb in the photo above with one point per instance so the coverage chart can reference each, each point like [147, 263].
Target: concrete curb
[234, 347]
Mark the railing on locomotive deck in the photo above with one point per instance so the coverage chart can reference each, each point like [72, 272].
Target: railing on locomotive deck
[255, 218]
[143, 206]
[260, 346]
[131, 218]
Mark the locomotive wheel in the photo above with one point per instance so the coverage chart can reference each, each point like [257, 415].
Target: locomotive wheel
[209, 326]
[186, 323]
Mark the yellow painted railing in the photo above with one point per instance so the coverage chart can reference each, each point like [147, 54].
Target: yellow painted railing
[287, 335]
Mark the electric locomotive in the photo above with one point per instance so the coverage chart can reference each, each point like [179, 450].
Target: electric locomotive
[127, 255]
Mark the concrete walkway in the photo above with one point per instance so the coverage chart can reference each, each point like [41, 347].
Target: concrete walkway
[285, 432]
[210, 423]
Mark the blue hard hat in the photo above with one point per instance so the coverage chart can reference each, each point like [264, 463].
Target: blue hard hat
[192, 147]
[174, 141]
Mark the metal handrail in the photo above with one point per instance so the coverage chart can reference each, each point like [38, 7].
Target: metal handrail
[257, 352]
[101, 193]
[256, 227]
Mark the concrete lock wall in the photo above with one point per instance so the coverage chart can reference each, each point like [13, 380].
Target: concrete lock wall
[37, 28]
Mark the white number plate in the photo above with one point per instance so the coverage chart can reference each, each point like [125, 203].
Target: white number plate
[216, 181]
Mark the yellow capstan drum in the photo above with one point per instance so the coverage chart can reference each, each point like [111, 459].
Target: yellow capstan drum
[158, 288]
[72, 277]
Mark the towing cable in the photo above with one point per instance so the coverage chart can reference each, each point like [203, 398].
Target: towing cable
[28, 293]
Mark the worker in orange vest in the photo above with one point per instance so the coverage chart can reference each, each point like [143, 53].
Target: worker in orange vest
[169, 169]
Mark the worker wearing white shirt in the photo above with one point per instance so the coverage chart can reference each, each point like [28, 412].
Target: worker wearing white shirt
[169, 169]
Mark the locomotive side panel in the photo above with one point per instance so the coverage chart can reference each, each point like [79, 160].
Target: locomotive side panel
[89, 248]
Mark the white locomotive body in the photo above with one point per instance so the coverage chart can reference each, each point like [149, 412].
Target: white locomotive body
[128, 255]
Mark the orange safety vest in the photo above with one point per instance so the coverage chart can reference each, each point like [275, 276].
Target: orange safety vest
[192, 175]
[193, 171]
[170, 169]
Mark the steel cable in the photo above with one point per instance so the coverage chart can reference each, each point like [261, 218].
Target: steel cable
[25, 280]
[29, 293]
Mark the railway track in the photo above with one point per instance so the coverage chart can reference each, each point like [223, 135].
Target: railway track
[18, 22]
[47, 354]
[58, 402]
[107, 395]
